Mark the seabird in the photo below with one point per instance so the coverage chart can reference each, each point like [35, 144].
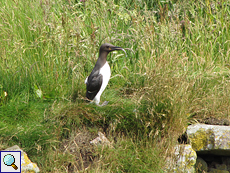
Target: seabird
[98, 79]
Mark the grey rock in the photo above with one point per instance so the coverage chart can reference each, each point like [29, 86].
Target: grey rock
[221, 167]
[183, 160]
[210, 139]
[101, 140]
[26, 164]
[201, 166]
[213, 170]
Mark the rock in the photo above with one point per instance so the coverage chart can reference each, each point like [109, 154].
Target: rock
[183, 160]
[27, 165]
[210, 139]
[213, 170]
[101, 140]
[221, 167]
[226, 161]
[201, 166]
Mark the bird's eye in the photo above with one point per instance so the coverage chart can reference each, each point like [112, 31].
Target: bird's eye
[107, 47]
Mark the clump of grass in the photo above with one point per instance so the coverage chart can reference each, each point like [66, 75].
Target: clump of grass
[130, 157]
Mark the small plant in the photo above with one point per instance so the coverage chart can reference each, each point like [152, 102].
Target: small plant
[3, 95]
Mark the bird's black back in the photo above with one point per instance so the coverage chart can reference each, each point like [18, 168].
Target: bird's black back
[93, 84]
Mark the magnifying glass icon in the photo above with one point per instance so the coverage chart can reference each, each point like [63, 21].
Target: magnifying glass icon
[9, 160]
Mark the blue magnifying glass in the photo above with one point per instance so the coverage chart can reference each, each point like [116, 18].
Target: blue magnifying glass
[9, 160]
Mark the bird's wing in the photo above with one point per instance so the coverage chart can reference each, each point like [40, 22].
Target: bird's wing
[93, 84]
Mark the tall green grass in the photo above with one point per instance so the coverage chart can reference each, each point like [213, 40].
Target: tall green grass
[176, 72]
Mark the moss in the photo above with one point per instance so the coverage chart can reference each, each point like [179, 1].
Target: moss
[201, 166]
[202, 139]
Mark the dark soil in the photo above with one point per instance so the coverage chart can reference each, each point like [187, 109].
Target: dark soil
[78, 145]
[214, 121]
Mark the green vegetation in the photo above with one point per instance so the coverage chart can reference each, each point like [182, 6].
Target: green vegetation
[177, 72]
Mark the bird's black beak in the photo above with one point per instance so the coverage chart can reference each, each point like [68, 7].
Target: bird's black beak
[118, 48]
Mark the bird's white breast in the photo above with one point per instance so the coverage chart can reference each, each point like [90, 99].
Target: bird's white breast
[106, 73]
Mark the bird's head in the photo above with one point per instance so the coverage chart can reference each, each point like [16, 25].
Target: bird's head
[109, 48]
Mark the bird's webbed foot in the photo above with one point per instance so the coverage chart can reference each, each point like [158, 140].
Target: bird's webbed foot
[104, 104]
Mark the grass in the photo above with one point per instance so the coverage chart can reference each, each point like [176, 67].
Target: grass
[177, 73]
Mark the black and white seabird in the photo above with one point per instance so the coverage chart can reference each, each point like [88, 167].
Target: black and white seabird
[98, 79]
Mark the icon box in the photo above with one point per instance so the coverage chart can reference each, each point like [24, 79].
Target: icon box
[7, 166]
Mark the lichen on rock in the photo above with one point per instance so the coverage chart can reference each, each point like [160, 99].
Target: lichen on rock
[183, 160]
[209, 138]
[26, 165]
[202, 140]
